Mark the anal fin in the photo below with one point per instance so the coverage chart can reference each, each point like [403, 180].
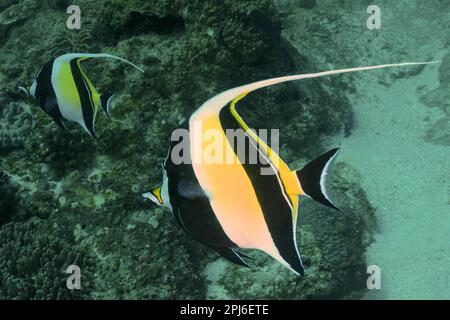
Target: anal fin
[55, 114]
[60, 123]
[232, 256]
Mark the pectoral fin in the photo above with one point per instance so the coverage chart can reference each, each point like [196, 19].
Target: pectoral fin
[190, 190]
[50, 104]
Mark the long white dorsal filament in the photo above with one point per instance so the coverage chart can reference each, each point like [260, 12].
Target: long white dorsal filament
[269, 82]
[215, 104]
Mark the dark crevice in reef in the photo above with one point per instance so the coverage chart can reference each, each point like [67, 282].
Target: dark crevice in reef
[7, 200]
[264, 24]
[138, 24]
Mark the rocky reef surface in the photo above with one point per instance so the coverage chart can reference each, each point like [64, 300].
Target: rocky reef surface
[439, 131]
[68, 199]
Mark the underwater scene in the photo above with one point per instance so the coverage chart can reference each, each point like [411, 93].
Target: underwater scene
[224, 150]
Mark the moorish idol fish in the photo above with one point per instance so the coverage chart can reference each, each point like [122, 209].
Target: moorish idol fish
[231, 205]
[65, 93]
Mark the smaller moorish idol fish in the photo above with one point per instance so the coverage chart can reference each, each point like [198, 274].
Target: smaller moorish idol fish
[65, 93]
[231, 205]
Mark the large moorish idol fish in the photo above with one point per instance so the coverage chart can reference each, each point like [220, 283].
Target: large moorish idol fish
[231, 205]
[65, 93]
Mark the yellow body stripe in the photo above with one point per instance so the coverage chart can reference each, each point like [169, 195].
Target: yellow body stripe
[68, 91]
[232, 196]
[288, 177]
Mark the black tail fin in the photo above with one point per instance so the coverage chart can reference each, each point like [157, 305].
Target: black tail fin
[105, 100]
[313, 178]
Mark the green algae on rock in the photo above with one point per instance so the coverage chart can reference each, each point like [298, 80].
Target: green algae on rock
[35, 255]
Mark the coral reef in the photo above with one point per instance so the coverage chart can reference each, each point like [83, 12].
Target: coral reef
[34, 259]
[14, 14]
[16, 123]
[78, 200]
